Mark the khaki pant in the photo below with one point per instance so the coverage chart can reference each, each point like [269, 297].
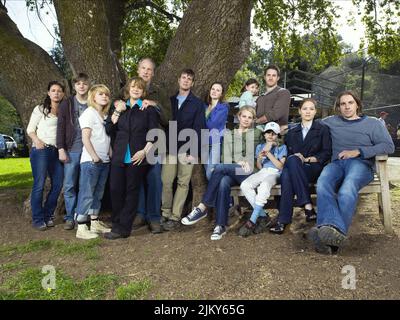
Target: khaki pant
[172, 204]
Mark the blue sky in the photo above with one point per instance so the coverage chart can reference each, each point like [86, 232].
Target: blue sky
[42, 32]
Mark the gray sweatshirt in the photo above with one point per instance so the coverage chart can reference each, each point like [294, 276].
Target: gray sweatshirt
[366, 134]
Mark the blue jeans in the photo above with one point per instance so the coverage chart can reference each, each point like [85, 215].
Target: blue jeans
[92, 182]
[149, 206]
[45, 162]
[71, 180]
[295, 179]
[218, 193]
[214, 158]
[337, 191]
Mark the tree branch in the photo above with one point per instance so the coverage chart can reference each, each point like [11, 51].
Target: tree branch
[376, 15]
[40, 19]
[148, 3]
[116, 12]
[3, 6]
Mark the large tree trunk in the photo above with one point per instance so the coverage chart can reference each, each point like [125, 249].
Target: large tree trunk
[25, 69]
[213, 39]
[115, 10]
[85, 34]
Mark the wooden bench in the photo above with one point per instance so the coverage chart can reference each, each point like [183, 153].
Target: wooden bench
[379, 185]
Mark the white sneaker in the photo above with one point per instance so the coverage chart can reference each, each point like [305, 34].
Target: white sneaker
[195, 216]
[218, 232]
[99, 227]
[83, 232]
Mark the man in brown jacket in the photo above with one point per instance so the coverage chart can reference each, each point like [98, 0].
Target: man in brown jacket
[274, 104]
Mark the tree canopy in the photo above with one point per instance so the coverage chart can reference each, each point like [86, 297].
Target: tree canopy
[382, 22]
[106, 38]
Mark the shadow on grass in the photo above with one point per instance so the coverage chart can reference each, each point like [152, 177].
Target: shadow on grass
[32, 284]
[11, 266]
[31, 246]
[133, 290]
[88, 249]
[16, 180]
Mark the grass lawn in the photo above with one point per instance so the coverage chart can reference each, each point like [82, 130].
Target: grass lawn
[33, 284]
[15, 173]
[22, 279]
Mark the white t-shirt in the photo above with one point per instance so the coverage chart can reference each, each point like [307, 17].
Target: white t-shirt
[44, 126]
[90, 118]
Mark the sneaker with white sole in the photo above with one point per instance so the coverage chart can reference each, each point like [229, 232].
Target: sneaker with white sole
[195, 216]
[40, 227]
[50, 223]
[99, 227]
[218, 232]
[83, 232]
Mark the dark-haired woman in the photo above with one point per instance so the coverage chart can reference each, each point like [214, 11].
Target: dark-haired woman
[309, 150]
[216, 116]
[42, 129]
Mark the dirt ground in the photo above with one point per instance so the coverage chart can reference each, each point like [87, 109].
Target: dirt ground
[187, 265]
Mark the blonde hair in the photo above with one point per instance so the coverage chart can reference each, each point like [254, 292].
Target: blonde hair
[249, 109]
[137, 82]
[92, 93]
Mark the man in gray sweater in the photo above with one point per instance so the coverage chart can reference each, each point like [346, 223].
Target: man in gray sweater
[356, 140]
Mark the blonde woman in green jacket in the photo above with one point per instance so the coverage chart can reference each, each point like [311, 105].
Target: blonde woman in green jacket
[238, 164]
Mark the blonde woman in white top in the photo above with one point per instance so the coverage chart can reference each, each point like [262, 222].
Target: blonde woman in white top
[42, 129]
[95, 163]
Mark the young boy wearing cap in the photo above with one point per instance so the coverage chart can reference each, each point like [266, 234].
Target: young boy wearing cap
[270, 160]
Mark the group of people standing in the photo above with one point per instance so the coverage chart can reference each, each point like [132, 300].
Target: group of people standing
[81, 141]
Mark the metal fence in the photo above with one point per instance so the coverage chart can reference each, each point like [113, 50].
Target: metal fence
[379, 91]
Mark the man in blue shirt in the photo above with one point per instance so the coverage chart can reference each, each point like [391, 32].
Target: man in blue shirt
[187, 113]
